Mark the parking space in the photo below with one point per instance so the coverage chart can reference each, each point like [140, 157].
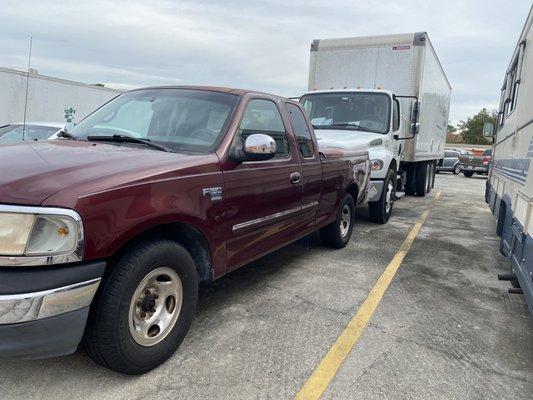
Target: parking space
[445, 328]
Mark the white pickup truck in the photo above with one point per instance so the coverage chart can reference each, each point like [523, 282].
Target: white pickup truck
[388, 95]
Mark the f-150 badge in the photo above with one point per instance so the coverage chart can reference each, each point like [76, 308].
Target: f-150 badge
[214, 193]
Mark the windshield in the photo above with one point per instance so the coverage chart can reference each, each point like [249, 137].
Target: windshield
[13, 133]
[361, 111]
[180, 119]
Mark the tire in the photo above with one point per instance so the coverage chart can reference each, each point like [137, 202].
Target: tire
[456, 170]
[468, 174]
[381, 210]
[410, 179]
[111, 337]
[422, 178]
[336, 235]
[431, 177]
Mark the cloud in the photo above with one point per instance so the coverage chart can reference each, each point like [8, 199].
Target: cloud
[261, 45]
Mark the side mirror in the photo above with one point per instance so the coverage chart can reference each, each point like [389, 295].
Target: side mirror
[415, 110]
[488, 131]
[257, 147]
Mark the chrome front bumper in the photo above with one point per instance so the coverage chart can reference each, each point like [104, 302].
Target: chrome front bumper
[17, 308]
[44, 310]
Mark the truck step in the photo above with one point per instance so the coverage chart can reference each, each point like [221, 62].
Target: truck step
[399, 195]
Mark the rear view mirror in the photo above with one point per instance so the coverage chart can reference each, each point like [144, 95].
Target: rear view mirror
[257, 147]
[415, 110]
[488, 130]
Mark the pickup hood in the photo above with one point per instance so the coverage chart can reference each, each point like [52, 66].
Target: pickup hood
[33, 171]
[347, 139]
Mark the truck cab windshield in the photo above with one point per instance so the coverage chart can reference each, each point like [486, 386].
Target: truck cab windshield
[359, 111]
[173, 118]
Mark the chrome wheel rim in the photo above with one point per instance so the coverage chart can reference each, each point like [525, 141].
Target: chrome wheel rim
[389, 198]
[155, 306]
[346, 220]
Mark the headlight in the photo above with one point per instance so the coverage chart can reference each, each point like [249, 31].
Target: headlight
[376, 165]
[35, 231]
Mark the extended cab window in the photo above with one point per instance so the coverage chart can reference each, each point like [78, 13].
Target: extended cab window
[262, 116]
[301, 130]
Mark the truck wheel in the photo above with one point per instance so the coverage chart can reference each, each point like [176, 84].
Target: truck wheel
[381, 210]
[410, 179]
[456, 170]
[468, 174]
[431, 177]
[423, 176]
[338, 233]
[144, 308]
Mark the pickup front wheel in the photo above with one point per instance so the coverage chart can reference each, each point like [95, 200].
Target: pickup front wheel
[144, 308]
[338, 233]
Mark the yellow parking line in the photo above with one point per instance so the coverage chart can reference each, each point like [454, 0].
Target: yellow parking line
[330, 364]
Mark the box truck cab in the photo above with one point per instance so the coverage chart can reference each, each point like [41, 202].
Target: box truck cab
[386, 94]
[365, 119]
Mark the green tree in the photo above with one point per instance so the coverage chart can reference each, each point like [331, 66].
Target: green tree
[473, 127]
[451, 128]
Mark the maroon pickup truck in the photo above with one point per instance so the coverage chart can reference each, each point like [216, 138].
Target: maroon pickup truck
[106, 232]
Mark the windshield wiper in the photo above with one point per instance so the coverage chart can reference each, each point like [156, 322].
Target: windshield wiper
[129, 139]
[64, 134]
[343, 124]
[348, 125]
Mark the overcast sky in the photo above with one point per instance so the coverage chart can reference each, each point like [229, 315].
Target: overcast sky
[261, 45]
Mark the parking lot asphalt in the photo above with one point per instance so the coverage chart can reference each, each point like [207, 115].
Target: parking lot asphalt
[444, 329]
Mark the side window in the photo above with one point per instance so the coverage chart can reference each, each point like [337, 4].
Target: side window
[301, 130]
[262, 116]
[448, 154]
[396, 116]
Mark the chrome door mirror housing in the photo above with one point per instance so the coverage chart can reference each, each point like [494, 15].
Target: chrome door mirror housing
[256, 147]
[259, 146]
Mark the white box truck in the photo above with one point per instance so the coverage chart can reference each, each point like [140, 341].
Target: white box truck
[49, 99]
[390, 95]
[510, 185]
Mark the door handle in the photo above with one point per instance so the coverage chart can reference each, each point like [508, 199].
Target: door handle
[295, 177]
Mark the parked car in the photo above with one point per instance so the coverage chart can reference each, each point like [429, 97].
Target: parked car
[450, 162]
[32, 131]
[107, 232]
[472, 164]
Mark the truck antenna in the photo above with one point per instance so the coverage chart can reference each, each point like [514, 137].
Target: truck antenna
[26, 97]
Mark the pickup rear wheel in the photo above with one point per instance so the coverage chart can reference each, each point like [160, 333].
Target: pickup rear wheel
[144, 308]
[381, 210]
[468, 174]
[338, 233]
